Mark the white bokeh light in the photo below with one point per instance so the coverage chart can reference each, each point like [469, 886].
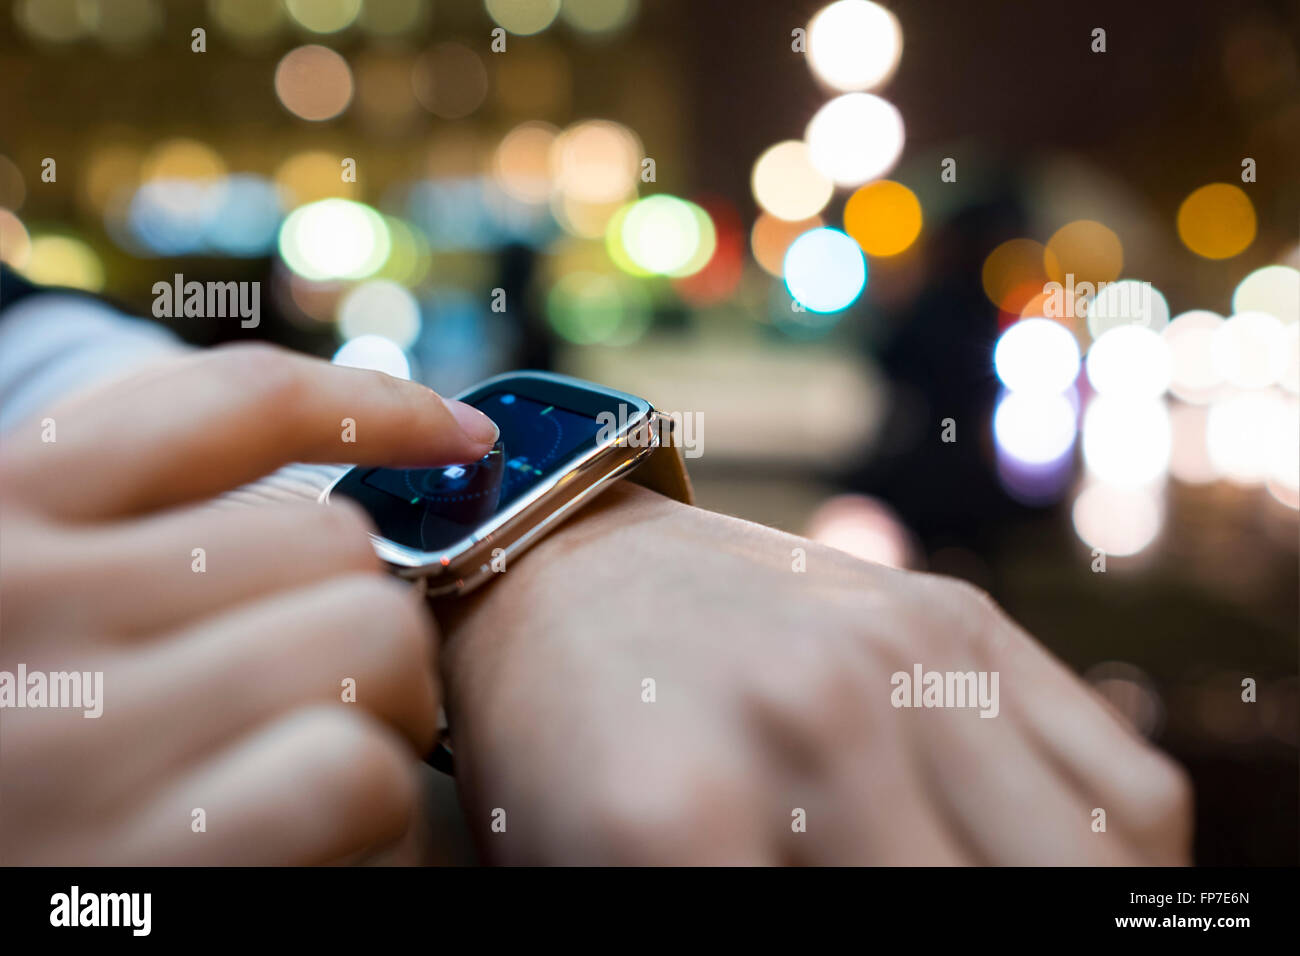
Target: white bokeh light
[380, 307]
[855, 137]
[786, 184]
[1272, 289]
[854, 45]
[1129, 361]
[1037, 355]
[1127, 302]
[1242, 436]
[1190, 338]
[1127, 441]
[1119, 521]
[1248, 350]
[1034, 428]
[376, 353]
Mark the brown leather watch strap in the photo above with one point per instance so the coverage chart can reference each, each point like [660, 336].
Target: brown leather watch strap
[664, 469]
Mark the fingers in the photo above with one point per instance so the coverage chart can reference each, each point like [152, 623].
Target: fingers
[1065, 744]
[311, 787]
[218, 419]
[359, 642]
[195, 562]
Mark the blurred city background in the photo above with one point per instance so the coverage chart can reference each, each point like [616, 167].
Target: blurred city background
[831, 230]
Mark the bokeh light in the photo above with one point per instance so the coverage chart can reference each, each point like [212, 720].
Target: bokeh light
[315, 174]
[376, 353]
[1119, 521]
[884, 217]
[771, 237]
[864, 527]
[380, 307]
[1217, 221]
[64, 261]
[1034, 428]
[1189, 458]
[1127, 441]
[1086, 250]
[323, 16]
[393, 18]
[52, 21]
[334, 239]
[313, 83]
[786, 184]
[183, 159]
[521, 164]
[1037, 355]
[1248, 351]
[588, 308]
[247, 20]
[1014, 274]
[1130, 361]
[661, 234]
[825, 270]
[854, 45]
[13, 191]
[855, 137]
[1127, 302]
[123, 24]
[450, 80]
[15, 243]
[596, 161]
[523, 17]
[1190, 338]
[1244, 436]
[1272, 289]
[598, 16]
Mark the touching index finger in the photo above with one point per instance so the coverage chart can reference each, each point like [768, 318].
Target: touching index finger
[209, 422]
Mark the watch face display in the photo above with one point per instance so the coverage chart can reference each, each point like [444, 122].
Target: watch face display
[430, 509]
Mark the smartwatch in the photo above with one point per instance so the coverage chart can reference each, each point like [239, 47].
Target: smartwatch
[563, 441]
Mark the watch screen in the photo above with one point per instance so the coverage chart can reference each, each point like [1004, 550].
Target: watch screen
[433, 508]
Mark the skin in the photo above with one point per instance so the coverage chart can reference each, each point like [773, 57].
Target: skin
[773, 693]
[222, 689]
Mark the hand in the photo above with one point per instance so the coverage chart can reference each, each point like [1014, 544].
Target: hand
[772, 694]
[222, 688]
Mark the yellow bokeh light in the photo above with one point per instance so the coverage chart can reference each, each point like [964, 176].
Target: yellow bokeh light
[183, 159]
[1217, 221]
[598, 16]
[884, 217]
[323, 16]
[1086, 250]
[110, 170]
[523, 17]
[247, 19]
[1015, 272]
[64, 261]
[307, 177]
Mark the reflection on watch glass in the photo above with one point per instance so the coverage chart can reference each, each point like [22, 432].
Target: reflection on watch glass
[432, 508]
